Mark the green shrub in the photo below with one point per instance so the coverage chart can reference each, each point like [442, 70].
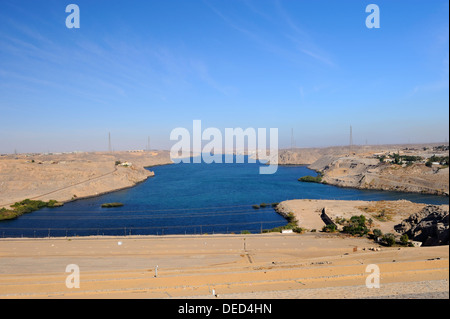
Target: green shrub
[24, 207]
[356, 226]
[298, 230]
[245, 232]
[311, 179]
[330, 228]
[404, 239]
[389, 239]
[291, 218]
[377, 233]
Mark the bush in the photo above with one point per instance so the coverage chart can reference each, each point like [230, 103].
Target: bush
[24, 207]
[377, 233]
[245, 232]
[356, 226]
[389, 239]
[298, 230]
[291, 218]
[311, 179]
[404, 239]
[330, 228]
[54, 203]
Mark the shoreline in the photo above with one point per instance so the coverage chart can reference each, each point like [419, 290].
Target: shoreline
[118, 189]
[79, 176]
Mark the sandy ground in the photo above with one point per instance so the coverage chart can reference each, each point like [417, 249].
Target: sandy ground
[65, 177]
[307, 211]
[266, 266]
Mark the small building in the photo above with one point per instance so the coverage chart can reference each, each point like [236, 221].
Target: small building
[286, 231]
[435, 163]
[416, 243]
[126, 164]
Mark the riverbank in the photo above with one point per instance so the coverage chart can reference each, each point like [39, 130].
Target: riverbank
[267, 266]
[401, 168]
[68, 177]
[385, 215]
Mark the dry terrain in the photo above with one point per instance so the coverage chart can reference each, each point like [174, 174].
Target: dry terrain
[360, 167]
[65, 177]
[235, 266]
[385, 214]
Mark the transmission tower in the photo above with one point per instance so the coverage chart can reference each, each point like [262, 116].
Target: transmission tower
[292, 139]
[351, 136]
[109, 143]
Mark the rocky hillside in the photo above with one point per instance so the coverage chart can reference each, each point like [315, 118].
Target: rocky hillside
[361, 167]
[429, 226]
[369, 173]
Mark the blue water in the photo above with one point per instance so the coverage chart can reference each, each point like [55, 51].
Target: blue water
[191, 199]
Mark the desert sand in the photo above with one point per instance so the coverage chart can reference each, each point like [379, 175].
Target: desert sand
[308, 211]
[269, 266]
[66, 177]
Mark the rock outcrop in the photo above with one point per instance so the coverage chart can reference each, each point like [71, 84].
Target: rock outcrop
[429, 226]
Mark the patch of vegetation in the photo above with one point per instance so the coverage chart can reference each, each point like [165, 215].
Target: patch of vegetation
[255, 206]
[356, 226]
[404, 240]
[292, 224]
[388, 239]
[109, 205]
[275, 204]
[311, 179]
[26, 206]
[54, 203]
[263, 205]
[377, 233]
[442, 160]
[380, 211]
[330, 228]
[245, 232]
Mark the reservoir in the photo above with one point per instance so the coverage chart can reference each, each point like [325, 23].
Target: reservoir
[192, 199]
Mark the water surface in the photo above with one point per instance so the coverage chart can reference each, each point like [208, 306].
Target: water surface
[192, 199]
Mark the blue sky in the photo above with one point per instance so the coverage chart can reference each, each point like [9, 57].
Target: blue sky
[142, 68]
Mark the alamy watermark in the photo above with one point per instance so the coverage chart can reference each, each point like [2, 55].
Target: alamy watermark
[373, 279]
[73, 279]
[255, 143]
[73, 19]
[373, 19]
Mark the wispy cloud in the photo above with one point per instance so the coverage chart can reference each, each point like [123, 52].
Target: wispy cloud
[302, 40]
[296, 37]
